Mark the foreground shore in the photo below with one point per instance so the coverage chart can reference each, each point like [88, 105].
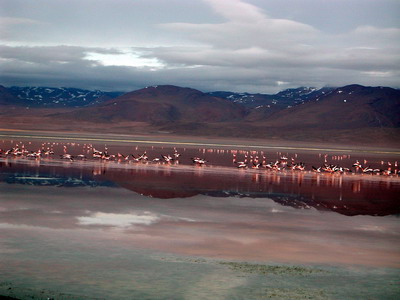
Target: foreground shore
[187, 141]
[223, 280]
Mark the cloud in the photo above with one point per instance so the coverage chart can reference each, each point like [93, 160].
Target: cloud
[236, 10]
[246, 26]
[208, 70]
[6, 21]
[50, 54]
[9, 23]
[242, 49]
[264, 42]
[118, 220]
[293, 51]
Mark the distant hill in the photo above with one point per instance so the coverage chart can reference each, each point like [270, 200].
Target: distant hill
[283, 99]
[352, 106]
[160, 105]
[72, 97]
[54, 97]
[7, 98]
[264, 105]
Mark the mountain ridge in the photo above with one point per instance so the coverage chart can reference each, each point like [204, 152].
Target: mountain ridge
[163, 104]
[54, 97]
[352, 106]
[33, 96]
[344, 114]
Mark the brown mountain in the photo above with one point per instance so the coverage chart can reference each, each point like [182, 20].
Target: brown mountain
[161, 105]
[352, 114]
[349, 107]
[6, 98]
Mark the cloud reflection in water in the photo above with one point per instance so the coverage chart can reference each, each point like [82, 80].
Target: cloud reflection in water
[118, 220]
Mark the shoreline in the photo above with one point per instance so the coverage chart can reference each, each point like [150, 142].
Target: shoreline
[181, 140]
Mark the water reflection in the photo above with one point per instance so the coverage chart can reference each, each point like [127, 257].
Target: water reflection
[348, 195]
[86, 219]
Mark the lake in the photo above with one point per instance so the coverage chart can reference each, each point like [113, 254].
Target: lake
[95, 229]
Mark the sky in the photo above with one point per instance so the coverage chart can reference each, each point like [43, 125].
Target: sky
[257, 46]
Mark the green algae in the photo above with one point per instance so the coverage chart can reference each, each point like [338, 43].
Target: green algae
[270, 269]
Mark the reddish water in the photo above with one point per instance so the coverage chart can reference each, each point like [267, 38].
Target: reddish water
[352, 193]
[214, 156]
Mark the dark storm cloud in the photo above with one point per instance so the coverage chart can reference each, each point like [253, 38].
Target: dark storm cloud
[50, 54]
[54, 65]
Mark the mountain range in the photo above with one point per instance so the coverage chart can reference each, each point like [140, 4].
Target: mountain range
[352, 113]
[162, 105]
[72, 97]
[53, 97]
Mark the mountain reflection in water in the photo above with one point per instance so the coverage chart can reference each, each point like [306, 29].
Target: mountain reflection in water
[347, 195]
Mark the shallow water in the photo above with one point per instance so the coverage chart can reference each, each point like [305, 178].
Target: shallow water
[88, 229]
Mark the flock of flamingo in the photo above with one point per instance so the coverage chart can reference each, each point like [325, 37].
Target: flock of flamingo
[249, 159]
[283, 163]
